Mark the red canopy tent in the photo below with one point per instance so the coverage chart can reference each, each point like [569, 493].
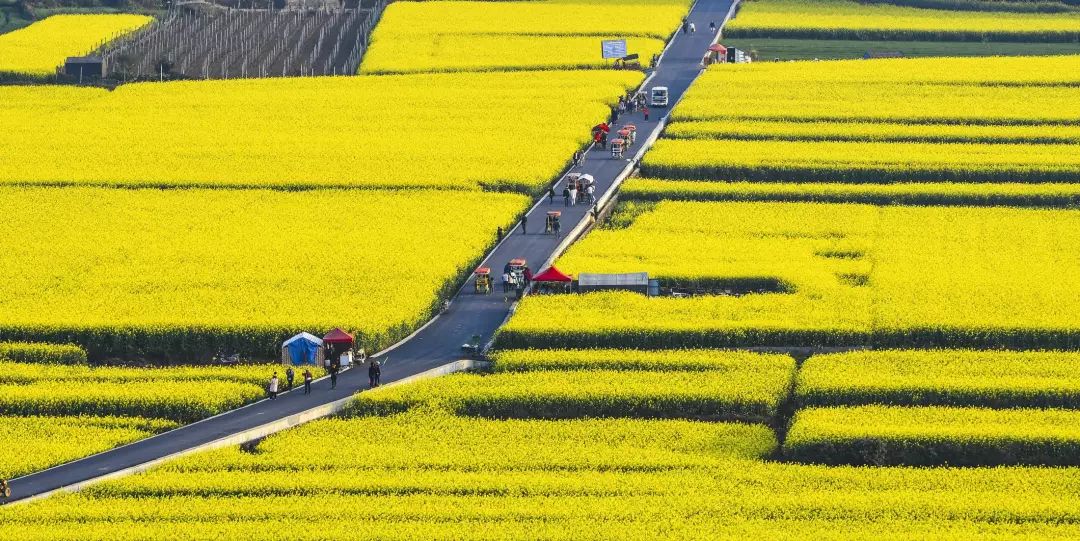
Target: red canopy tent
[338, 336]
[717, 48]
[552, 275]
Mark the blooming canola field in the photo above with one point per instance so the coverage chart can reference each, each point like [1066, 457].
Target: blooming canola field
[40, 48]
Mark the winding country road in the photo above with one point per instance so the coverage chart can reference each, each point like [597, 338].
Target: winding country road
[438, 343]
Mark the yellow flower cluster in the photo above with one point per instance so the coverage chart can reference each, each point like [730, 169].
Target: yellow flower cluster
[540, 34]
[845, 275]
[40, 48]
[846, 19]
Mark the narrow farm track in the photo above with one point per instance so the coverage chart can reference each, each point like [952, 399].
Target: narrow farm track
[438, 343]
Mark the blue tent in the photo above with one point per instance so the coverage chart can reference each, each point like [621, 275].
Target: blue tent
[302, 349]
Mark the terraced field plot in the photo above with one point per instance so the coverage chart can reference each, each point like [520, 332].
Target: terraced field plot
[40, 48]
[843, 275]
[495, 36]
[846, 19]
[368, 132]
[179, 272]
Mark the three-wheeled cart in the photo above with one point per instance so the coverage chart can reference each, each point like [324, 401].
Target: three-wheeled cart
[552, 223]
[617, 148]
[483, 280]
[631, 132]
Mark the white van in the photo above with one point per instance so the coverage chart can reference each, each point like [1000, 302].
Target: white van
[658, 96]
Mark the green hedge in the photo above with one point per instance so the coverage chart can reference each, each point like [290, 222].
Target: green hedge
[30, 352]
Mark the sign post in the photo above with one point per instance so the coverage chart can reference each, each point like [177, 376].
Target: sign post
[613, 48]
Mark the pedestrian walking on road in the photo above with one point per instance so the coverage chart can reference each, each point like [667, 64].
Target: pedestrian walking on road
[551, 195]
[506, 282]
[693, 29]
[645, 110]
[558, 229]
[712, 27]
[592, 193]
[566, 197]
[579, 157]
[374, 372]
[307, 381]
[614, 115]
[573, 196]
[333, 375]
[289, 375]
[603, 140]
[685, 26]
[524, 224]
[273, 386]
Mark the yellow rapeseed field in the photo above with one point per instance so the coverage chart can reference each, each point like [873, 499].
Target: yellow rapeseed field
[846, 19]
[539, 34]
[844, 274]
[425, 476]
[172, 269]
[40, 48]
[394, 131]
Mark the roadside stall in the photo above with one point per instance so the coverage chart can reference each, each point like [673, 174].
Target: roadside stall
[304, 348]
[553, 280]
[483, 280]
[339, 345]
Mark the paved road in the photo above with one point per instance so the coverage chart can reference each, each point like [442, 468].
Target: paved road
[439, 343]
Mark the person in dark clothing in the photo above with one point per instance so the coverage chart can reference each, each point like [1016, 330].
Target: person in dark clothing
[551, 195]
[614, 115]
[5, 490]
[498, 233]
[579, 157]
[566, 197]
[712, 27]
[685, 26]
[603, 140]
[307, 381]
[558, 229]
[374, 372]
[333, 375]
[289, 375]
[524, 224]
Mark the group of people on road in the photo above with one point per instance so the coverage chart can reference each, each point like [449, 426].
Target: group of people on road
[274, 387]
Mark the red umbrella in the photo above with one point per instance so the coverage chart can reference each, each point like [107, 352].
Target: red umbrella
[717, 48]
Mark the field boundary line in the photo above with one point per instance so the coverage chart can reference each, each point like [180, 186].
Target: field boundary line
[258, 432]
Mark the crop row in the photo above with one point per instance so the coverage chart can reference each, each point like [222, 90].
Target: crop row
[232, 276]
[40, 48]
[307, 132]
[34, 443]
[44, 354]
[931, 435]
[749, 392]
[857, 162]
[253, 374]
[994, 379]
[474, 36]
[433, 476]
[858, 275]
[689, 360]
[930, 193]
[774, 130]
[845, 19]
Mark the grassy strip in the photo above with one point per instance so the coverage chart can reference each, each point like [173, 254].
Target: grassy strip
[933, 436]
